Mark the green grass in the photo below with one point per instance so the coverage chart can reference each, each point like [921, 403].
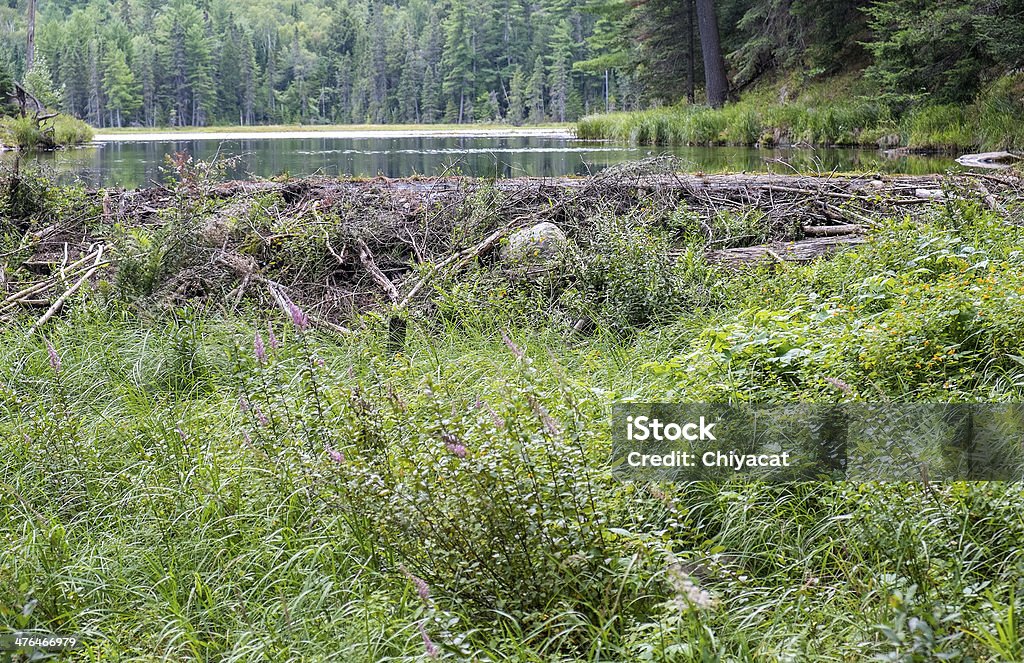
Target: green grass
[169, 495]
[60, 131]
[845, 115]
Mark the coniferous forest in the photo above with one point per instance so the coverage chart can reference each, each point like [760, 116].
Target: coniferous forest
[208, 62]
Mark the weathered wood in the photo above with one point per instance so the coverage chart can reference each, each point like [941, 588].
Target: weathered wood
[800, 252]
[994, 160]
[832, 231]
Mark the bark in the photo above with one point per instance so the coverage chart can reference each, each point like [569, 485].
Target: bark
[711, 48]
[30, 42]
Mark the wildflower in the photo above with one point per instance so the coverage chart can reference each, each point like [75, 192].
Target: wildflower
[840, 385]
[549, 423]
[260, 417]
[452, 444]
[271, 338]
[516, 350]
[259, 349]
[688, 595]
[422, 589]
[495, 417]
[243, 404]
[299, 317]
[432, 650]
[335, 455]
[54, 357]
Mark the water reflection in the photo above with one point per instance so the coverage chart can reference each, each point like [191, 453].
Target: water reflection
[132, 164]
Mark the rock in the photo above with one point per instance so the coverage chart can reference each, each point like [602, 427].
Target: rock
[533, 247]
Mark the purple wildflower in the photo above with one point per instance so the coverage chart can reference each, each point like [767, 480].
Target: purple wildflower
[336, 455]
[495, 417]
[422, 588]
[243, 404]
[840, 385]
[299, 317]
[432, 650]
[54, 357]
[271, 338]
[260, 417]
[549, 423]
[452, 444]
[259, 348]
[516, 350]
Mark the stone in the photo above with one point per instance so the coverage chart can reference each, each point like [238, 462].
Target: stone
[538, 245]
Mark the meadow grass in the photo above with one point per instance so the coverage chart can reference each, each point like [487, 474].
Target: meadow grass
[197, 485]
[829, 118]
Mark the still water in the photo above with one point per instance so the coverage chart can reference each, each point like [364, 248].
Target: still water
[133, 163]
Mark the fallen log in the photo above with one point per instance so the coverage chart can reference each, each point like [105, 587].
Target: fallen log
[799, 252]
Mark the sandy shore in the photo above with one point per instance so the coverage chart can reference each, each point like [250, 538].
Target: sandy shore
[340, 133]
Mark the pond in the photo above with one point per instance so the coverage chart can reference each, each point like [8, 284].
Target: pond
[130, 161]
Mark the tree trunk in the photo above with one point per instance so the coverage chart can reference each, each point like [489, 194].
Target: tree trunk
[691, 60]
[711, 48]
[30, 42]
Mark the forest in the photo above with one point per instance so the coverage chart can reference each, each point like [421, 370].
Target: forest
[186, 63]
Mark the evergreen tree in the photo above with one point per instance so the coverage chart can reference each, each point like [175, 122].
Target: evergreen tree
[535, 92]
[558, 78]
[120, 88]
[459, 64]
[516, 112]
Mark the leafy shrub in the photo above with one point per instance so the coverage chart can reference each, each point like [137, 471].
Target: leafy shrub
[624, 274]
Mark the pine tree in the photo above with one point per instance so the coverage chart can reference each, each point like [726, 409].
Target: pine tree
[120, 87]
[558, 77]
[458, 63]
[516, 111]
[535, 92]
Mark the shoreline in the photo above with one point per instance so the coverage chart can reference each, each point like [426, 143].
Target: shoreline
[353, 133]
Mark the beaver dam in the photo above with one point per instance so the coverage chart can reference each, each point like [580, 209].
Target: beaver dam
[341, 247]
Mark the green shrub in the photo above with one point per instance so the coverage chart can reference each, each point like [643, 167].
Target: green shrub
[69, 130]
[60, 131]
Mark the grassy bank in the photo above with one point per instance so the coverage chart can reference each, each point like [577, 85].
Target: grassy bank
[25, 133]
[211, 478]
[846, 115]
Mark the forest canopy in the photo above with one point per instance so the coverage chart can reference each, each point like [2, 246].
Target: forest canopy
[203, 62]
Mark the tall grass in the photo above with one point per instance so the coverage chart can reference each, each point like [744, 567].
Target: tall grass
[193, 485]
[991, 122]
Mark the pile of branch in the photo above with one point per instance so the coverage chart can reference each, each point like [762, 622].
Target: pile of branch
[385, 241]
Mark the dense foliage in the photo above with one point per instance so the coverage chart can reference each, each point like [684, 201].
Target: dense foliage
[183, 62]
[179, 63]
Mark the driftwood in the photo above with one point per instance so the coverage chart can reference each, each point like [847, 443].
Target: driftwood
[799, 252]
[994, 160]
